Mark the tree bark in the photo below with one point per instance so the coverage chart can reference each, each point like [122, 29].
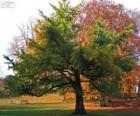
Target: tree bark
[79, 106]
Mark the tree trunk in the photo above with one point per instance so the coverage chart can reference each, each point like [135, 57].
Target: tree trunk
[79, 106]
[138, 90]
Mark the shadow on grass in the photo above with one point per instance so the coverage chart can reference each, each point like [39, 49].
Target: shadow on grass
[54, 110]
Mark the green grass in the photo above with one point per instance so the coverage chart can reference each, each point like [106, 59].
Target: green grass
[53, 110]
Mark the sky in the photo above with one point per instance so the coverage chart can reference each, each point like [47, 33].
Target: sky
[21, 12]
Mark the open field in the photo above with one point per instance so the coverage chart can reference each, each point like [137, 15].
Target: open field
[62, 109]
[50, 98]
[52, 105]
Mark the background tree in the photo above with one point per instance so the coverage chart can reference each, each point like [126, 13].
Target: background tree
[60, 60]
[19, 42]
[116, 18]
[115, 15]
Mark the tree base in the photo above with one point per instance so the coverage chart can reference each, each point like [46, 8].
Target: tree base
[79, 113]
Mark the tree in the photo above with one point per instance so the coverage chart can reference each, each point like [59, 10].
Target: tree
[116, 17]
[19, 42]
[60, 60]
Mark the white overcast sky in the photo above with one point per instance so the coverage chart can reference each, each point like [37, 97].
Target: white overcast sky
[24, 10]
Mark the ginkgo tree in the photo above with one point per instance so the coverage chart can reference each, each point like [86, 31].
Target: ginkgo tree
[60, 60]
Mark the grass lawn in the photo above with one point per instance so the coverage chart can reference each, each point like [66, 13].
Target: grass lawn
[53, 110]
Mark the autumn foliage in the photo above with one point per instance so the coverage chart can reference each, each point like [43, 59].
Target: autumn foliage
[115, 16]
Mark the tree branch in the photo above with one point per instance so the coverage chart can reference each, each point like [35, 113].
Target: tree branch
[48, 90]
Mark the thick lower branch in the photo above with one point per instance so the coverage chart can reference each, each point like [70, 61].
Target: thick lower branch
[49, 90]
